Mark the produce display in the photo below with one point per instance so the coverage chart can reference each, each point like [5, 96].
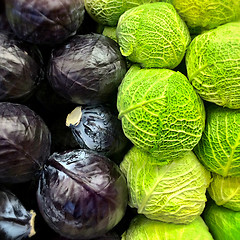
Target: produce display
[119, 120]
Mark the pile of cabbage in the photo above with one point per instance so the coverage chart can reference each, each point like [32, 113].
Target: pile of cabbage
[179, 105]
[170, 70]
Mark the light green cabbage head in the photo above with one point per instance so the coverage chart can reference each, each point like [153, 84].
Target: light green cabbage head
[225, 191]
[213, 65]
[160, 111]
[205, 14]
[107, 12]
[223, 223]
[170, 193]
[153, 35]
[219, 148]
[142, 228]
[110, 32]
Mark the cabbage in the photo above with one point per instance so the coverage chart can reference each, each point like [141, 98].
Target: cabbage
[45, 21]
[20, 68]
[87, 69]
[81, 194]
[160, 111]
[25, 143]
[223, 223]
[170, 193]
[16, 222]
[107, 12]
[110, 32]
[153, 35]
[225, 191]
[213, 64]
[143, 228]
[219, 147]
[205, 15]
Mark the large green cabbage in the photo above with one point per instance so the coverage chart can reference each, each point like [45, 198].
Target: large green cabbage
[213, 65]
[205, 15]
[174, 192]
[107, 12]
[160, 111]
[153, 35]
[225, 191]
[223, 223]
[219, 147]
[142, 228]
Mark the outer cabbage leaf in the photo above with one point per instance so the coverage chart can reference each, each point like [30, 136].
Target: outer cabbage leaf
[223, 223]
[143, 228]
[170, 193]
[205, 15]
[107, 12]
[225, 191]
[213, 65]
[219, 147]
[153, 35]
[160, 111]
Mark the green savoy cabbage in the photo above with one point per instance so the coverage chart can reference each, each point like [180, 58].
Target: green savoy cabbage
[225, 191]
[142, 228]
[160, 111]
[107, 12]
[219, 148]
[110, 32]
[213, 65]
[173, 193]
[223, 223]
[153, 35]
[205, 15]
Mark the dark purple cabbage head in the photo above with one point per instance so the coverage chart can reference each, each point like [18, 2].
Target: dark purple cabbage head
[97, 128]
[82, 194]
[45, 21]
[20, 68]
[25, 143]
[87, 69]
[16, 222]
